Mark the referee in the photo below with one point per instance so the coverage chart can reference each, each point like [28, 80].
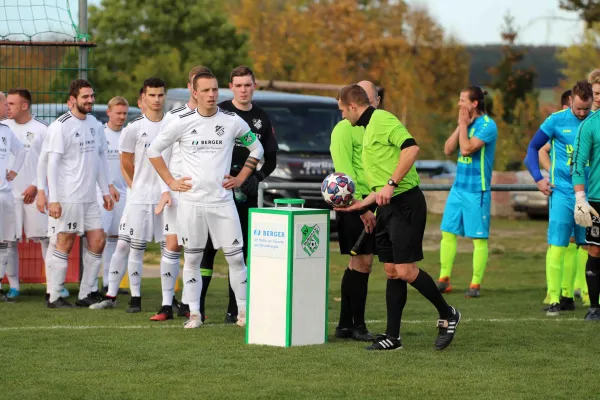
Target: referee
[346, 151]
[389, 153]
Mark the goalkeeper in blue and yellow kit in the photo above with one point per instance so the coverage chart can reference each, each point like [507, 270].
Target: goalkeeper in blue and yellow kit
[560, 129]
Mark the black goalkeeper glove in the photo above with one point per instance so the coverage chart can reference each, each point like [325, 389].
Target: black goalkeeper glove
[250, 186]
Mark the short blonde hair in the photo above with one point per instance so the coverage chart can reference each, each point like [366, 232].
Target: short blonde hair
[594, 76]
[117, 101]
[198, 69]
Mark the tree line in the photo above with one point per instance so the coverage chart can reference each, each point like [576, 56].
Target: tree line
[397, 45]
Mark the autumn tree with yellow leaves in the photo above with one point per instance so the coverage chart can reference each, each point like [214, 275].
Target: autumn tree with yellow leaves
[397, 46]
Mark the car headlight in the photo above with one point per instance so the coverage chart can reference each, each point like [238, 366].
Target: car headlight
[282, 172]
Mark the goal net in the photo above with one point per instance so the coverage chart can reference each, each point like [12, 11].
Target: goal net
[38, 20]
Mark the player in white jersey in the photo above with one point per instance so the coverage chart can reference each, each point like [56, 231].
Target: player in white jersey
[31, 132]
[117, 110]
[169, 264]
[142, 224]
[77, 152]
[9, 144]
[206, 137]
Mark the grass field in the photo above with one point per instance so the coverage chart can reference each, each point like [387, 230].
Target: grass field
[505, 346]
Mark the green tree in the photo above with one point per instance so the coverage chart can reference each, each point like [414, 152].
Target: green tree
[581, 58]
[163, 38]
[513, 138]
[514, 83]
[588, 10]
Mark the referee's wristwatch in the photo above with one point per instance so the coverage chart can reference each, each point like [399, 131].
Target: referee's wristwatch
[392, 183]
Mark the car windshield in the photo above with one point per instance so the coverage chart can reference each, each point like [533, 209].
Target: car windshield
[303, 129]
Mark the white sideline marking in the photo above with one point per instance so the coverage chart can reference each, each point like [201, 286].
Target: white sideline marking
[490, 320]
[178, 326]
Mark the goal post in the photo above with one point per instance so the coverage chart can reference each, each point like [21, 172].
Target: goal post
[43, 49]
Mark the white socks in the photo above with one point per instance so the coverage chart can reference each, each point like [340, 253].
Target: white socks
[91, 267]
[238, 274]
[50, 244]
[107, 255]
[58, 272]
[135, 266]
[118, 266]
[12, 269]
[192, 280]
[169, 270]
[3, 258]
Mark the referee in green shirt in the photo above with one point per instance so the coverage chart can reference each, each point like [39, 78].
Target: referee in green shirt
[388, 156]
[346, 152]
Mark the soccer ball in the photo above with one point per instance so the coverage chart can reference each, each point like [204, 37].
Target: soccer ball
[338, 189]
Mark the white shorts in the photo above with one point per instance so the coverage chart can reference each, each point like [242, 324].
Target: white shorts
[170, 219]
[111, 219]
[76, 218]
[195, 223]
[123, 231]
[142, 223]
[30, 220]
[8, 220]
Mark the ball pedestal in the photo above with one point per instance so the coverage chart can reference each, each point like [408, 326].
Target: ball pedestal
[288, 274]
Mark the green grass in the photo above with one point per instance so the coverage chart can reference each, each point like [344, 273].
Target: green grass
[505, 347]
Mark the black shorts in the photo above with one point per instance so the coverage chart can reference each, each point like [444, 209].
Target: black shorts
[400, 228]
[350, 227]
[592, 234]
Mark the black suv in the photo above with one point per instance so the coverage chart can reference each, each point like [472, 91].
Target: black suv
[303, 126]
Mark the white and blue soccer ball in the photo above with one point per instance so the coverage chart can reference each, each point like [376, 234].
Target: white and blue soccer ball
[338, 189]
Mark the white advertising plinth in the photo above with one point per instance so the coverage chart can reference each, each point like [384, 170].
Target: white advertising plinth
[288, 274]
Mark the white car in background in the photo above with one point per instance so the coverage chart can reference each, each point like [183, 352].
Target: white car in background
[534, 204]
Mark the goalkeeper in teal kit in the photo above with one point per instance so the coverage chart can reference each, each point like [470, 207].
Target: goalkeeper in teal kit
[587, 148]
[560, 129]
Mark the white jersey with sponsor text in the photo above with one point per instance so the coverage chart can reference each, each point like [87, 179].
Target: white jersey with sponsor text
[136, 139]
[79, 142]
[206, 146]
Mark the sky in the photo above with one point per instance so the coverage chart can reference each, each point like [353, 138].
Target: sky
[539, 22]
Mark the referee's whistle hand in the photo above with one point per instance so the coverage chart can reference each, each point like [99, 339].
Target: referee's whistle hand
[369, 221]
